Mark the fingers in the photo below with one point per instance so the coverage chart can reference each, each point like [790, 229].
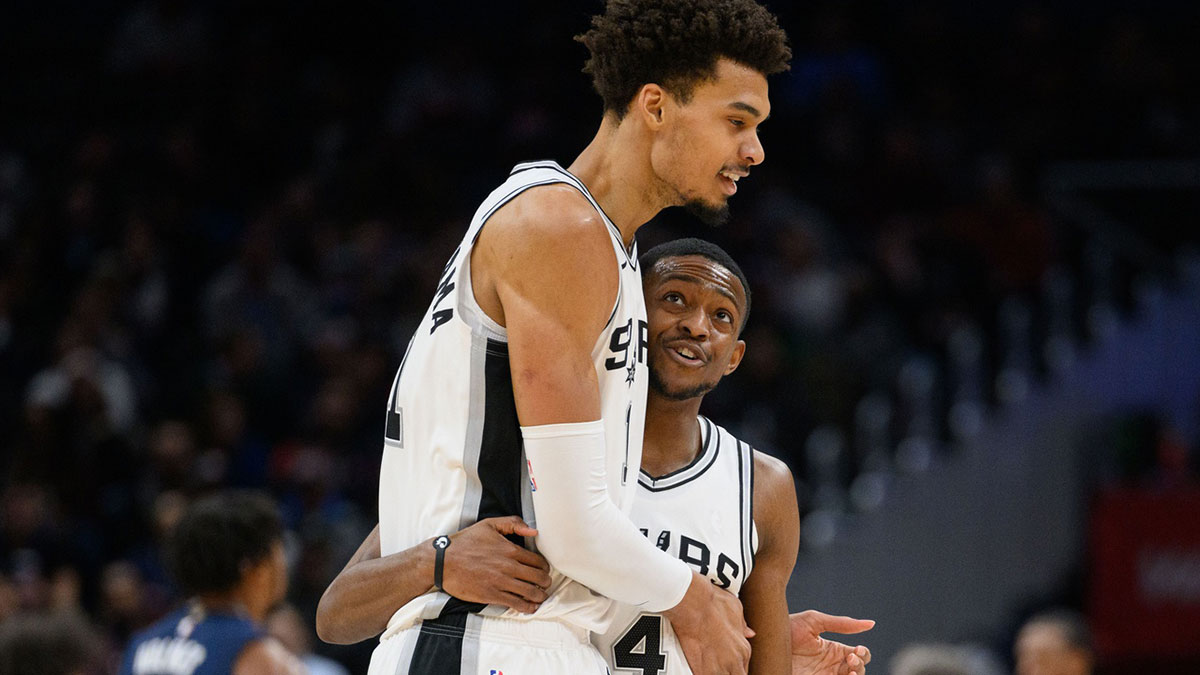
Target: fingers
[863, 653]
[531, 559]
[510, 525]
[526, 591]
[820, 622]
[516, 602]
[533, 575]
[857, 665]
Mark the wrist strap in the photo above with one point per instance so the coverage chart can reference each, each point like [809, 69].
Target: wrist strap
[439, 559]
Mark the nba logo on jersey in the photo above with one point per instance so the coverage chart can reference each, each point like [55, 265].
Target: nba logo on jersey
[495, 672]
[532, 482]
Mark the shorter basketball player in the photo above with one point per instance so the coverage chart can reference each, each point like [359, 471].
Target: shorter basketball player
[704, 496]
[227, 554]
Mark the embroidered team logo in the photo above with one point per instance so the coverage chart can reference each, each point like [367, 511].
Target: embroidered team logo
[532, 483]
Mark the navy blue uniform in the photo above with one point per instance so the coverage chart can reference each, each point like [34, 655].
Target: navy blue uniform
[190, 641]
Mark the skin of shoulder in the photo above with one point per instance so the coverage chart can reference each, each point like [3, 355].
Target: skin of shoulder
[764, 595]
[267, 657]
[544, 267]
[542, 226]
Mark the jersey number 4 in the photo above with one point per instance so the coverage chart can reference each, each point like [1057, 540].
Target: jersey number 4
[640, 648]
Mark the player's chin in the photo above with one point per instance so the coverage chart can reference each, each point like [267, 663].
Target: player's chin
[680, 388]
[712, 213]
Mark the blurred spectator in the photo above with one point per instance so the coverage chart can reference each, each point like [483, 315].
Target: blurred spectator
[943, 659]
[1055, 642]
[49, 643]
[286, 625]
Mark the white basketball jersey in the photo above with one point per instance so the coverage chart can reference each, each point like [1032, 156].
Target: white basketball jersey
[704, 515]
[452, 452]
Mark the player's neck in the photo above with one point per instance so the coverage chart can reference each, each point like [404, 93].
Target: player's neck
[672, 436]
[226, 603]
[615, 167]
[243, 600]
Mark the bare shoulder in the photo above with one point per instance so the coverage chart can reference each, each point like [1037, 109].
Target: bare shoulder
[771, 476]
[547, 215]
[548, 249]
[775, 509]
[267, 657]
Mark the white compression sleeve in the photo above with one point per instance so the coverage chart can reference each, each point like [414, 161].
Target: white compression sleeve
[583, 533]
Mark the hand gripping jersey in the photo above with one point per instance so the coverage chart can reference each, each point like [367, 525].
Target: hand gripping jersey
[190, 641]
[702, 514]
[452, 451]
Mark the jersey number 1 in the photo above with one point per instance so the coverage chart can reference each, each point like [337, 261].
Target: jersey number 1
[640, 648]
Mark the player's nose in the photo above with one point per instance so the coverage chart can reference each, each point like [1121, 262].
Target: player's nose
[696, 323]
[752, 150]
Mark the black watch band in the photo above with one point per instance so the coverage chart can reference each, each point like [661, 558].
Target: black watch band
[439, 559]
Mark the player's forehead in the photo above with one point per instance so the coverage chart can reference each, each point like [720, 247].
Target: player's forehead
[736, 87]
[698, 272]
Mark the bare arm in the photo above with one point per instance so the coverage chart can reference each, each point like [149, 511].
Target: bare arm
[764, 596]
[267, 657]
[480, 566]
[543, 267]
[369, 589]
[789, 643]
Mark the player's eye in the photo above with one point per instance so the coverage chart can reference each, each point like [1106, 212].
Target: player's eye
[674, 298]
[737, 122]
[722, 315]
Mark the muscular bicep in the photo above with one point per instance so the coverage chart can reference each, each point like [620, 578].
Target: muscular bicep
[764, 595]
[551, 264]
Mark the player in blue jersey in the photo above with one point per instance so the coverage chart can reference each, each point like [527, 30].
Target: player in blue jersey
[704, 497]
[227, 555]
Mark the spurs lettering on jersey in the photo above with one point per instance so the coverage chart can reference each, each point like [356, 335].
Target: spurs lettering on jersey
[703, 515]
[627, 352]
[719, 567]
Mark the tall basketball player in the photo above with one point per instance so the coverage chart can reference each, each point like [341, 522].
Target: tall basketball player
[704, 496]
[522, 392]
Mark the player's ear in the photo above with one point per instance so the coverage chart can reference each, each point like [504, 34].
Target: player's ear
[649, 103]
[739, 351]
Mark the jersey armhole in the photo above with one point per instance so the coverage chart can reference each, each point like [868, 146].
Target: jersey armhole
[469, 307]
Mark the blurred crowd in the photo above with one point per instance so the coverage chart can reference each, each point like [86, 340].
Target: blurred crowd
[220, 221]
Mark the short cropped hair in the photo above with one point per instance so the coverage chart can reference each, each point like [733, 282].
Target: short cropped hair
[706, 249]
[219, 537]
[1071, 624]
[676, 44]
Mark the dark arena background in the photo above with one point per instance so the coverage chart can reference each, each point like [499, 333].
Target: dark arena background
[973, 248]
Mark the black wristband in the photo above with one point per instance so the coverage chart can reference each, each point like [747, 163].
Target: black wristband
[439, 559]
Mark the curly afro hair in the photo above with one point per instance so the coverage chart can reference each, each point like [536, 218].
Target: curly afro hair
[676, 44]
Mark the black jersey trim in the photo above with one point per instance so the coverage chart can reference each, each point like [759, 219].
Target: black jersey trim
[746, 490]
[439, 647]
[710, 449]
[750, 515]
[500, 446]
[742, 502]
